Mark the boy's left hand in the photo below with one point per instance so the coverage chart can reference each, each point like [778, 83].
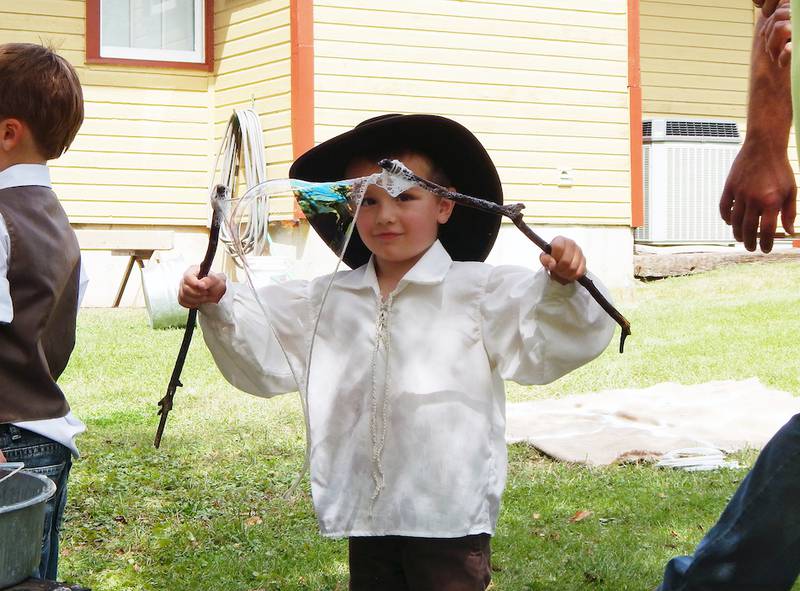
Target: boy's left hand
[566, 262]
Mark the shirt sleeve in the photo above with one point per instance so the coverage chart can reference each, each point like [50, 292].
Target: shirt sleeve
[536, 330]
[83, 283]
[6, 306]
[244, 343]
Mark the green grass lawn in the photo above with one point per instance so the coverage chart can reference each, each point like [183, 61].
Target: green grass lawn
[207, 511]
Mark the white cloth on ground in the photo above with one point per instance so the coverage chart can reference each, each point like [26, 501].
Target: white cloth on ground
[634, 424]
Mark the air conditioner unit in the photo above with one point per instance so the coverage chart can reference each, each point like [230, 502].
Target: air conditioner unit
[686, 163]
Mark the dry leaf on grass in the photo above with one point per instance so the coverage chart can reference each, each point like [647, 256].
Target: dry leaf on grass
[580, 516]
[254, 520]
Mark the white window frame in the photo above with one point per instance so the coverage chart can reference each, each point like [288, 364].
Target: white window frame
[198, 56]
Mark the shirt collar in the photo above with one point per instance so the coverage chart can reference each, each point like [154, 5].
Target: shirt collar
[429, 270]
[25, 175]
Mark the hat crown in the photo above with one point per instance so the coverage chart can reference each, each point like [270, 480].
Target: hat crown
[376, 119]
[469, 234]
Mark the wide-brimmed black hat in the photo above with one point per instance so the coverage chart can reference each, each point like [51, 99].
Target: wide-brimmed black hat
[469, 234]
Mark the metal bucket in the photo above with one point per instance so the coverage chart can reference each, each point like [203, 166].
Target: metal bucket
[23, 496]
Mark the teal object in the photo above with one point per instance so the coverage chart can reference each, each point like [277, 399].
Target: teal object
[338, 200]
[323, 198]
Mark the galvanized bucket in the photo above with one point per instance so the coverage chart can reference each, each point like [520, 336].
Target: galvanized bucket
[23, 496]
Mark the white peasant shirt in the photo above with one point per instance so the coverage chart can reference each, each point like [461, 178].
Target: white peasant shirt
[406, 394]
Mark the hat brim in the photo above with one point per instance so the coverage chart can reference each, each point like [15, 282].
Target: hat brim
[469, 234]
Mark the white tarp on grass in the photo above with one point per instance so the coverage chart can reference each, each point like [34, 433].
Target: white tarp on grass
[619, 425]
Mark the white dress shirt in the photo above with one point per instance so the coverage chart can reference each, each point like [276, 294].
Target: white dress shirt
[64, 429]
[406, 394]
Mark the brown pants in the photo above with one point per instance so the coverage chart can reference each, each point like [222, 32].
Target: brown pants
[397, 563]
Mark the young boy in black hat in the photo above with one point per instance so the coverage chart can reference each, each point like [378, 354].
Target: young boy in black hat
[41, 111]
[406, 398]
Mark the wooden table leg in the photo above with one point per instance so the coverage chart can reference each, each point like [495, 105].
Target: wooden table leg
[125, 278]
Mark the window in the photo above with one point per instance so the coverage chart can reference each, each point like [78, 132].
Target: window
[150, 32]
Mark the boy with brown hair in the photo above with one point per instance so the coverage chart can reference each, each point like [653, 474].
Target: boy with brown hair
[41, 111]
[406, 402]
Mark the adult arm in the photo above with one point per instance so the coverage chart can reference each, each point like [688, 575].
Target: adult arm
[761, 182]
[767, 6]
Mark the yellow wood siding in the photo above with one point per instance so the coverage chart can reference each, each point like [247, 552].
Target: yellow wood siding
[253, 66]
[142, 154]
[696, 58]
[543, 87]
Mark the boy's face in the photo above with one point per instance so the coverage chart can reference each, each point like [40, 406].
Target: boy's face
[399, 230]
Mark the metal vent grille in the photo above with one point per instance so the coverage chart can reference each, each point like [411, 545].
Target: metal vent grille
[647, 128]
[698, 177]
[706, 129]
[683, 179]
[643, 232]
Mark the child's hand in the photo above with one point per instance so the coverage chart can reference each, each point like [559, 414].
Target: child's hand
[777, 34]
[566, 262]
[193, 291]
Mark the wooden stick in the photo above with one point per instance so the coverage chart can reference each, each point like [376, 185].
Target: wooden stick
[165, 403]
[513, 211]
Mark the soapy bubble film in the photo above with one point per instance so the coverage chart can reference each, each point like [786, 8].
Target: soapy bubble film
[338, 199]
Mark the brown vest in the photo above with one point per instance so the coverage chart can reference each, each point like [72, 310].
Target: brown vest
[43, 275]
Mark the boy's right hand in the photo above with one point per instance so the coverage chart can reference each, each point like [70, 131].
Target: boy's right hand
[192, 292]
[566, 262]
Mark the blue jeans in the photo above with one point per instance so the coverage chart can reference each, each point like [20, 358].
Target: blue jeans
[755, 545]
[43, 456]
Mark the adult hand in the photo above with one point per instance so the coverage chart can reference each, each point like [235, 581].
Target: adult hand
[760, 185]
[768, 6]
[566, 262]
[2, 457]
[193, 292]
[777, 34]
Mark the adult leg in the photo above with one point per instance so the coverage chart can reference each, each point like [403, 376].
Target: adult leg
[448, 564]
[755, 545]
[376, 564]
[42, 456]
